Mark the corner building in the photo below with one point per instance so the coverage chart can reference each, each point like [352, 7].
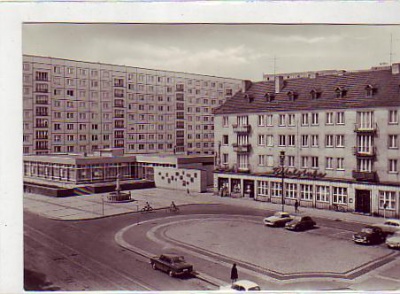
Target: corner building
[77, 107]
[340, 137]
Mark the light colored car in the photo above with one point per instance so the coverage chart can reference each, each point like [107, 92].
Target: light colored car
[241, 285]
[279, 219]
[394, 240]
[389, 226]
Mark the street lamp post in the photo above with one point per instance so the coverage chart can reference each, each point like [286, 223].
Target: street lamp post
[282, 161]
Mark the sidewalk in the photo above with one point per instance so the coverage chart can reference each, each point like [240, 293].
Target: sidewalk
[95, 206]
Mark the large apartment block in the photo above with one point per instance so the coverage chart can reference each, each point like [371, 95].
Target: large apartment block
[78, 107]
[339, 134]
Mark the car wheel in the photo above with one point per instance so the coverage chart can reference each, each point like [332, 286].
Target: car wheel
[170, 273]
[153, 265]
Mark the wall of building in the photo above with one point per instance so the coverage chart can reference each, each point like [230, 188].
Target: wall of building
[74, 106]
[180, 179]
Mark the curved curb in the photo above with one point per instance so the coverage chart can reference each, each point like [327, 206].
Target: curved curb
[119, 239]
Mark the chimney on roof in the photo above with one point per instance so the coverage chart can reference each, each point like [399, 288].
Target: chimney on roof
[278, 84]
[395, 68]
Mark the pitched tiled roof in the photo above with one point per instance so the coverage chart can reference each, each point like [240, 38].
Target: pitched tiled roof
[354, 83]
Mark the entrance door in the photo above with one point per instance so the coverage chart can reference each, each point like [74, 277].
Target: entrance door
[248, 188]
[363, 201]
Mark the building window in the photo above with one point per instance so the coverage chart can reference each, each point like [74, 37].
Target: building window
[304, 140]
[291, 140]
[340, 118]
[393, 117]
[306, 192]
[42, 88]
[314, 162]
[340, 163]
[314, 141]
[291, 190]
[276, 189]
[269, 120]
[322, 193]
[261, 139]
[314, 119]
[304, 119]
[304, 161]
[282, 120]
[270, 140]
[388, 198]
[291, 120]
[290, 161]
[393, 166]
[42, 76]
[225, 158]
[339, 195]
[392, 143]
[261, 120]
[225, 121]
[262, 188]
[329, 141]
[261, 160]
[329, 162]
[282, 140]
[340, 141]
[270, 160]
[225, 139]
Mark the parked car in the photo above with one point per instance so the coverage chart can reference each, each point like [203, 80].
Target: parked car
[394, 240]
[369, 235]
[174, 265]
[389, 226]
[241, 285]
[279, 219]
[300, 223]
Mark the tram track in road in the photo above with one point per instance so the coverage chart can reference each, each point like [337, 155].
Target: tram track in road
[108, 275]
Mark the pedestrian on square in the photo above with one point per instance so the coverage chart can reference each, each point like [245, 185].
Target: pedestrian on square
[296, 206]
[187, 191]
[234, 273]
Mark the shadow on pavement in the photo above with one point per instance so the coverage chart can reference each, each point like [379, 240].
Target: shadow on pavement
[34, 281]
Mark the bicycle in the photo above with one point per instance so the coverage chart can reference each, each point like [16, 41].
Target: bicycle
[339, 208]
[173, 209]
[147, 208]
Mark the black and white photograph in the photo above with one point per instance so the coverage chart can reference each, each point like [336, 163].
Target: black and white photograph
[209, 156]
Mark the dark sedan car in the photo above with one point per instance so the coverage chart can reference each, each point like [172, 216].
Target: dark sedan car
[174, 265]
[369, 235]
[300, 223]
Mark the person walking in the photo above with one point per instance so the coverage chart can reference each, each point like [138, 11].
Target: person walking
[296, 206]
[234, 273]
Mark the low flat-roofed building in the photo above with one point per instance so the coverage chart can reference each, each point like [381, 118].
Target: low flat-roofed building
[75, 174]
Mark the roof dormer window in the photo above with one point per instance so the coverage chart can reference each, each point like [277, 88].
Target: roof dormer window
[269, 97]
[292, 95]
[315, 94]
[248, 97]
[340, 92]
[370, 90]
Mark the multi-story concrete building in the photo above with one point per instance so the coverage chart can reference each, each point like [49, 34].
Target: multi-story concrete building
[339, 134]
[76, 107]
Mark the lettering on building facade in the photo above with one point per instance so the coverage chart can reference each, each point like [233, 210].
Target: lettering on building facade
[298, 173]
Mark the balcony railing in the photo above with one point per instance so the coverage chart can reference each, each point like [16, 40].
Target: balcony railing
[371, 176]
[244, 168]
[364, 151]
[241, 128]
[241, 148]
[365, 128]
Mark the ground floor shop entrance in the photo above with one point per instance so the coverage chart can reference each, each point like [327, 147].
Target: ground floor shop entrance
[248, 188]
[363, 201]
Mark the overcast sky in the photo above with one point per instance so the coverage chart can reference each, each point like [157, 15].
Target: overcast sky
[236, 51]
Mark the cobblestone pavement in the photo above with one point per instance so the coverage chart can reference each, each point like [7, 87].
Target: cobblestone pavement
[386, 277]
